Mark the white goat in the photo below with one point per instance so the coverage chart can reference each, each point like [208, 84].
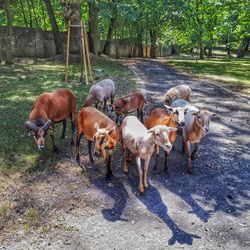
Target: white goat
[177, 92]
[141, 143]
[100, 92]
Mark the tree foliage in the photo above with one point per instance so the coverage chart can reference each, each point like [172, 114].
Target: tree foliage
[200, 24]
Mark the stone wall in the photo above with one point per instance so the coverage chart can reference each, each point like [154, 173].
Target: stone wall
[34, 42]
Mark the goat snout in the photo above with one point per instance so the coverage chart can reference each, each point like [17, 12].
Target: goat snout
[168, 146]
[41, 146]
[182, 124]
[206, 130]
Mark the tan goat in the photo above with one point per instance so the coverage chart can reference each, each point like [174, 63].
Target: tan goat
[141, 143]
[177, 92]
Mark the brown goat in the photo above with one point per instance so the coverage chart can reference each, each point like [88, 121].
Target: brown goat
[48, 109]
[128, 104]
[197, 126]
[102, 130]
[168, 117]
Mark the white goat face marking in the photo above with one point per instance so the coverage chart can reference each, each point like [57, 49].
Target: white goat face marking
[40, 139]
[180, 116]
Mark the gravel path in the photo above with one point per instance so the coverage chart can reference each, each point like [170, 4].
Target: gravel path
[206, 210]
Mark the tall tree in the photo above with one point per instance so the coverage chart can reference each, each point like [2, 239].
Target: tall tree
[94, 36]
[112, 25]
[9, 57]
[54, 26]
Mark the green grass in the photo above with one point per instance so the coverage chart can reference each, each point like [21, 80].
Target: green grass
[235, 72]
[20, 85]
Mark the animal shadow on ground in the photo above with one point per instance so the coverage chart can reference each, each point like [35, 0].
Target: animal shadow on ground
[116, 191]
[153, 201]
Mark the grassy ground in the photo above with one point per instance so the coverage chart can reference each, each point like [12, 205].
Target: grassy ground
[234, 73]
[20, 85]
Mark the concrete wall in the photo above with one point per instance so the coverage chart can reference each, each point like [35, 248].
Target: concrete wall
[30, 42]
[34, 42]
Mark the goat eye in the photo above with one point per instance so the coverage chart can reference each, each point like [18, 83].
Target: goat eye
[199, 117]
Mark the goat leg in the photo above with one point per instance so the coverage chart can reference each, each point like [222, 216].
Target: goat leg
[125, 165]
[141, 111]
[156, 158]
[90, 152]
[53, 140]
[72, 130]
[165, 162]
[188, 152]
[109, 171]
[112, 99]
[78, 148]
[138, 163]
[145, 173]
[64, 128]
[196, 148]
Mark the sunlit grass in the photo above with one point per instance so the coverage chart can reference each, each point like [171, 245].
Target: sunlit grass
[20, 85]
[236, 71]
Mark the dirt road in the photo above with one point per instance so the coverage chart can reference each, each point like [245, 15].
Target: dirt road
[206, 210]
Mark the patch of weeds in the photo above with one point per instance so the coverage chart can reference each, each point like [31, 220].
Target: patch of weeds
[31, 216]
[5, 208]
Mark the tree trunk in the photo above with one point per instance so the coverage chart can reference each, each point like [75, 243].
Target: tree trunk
[209, 54]
[139, 42]
[23, 13]
[240, 52]
[9, 59]
[153, 38]
[54, 26]
[35, 15]
[94, 38]
[112, 25]
[43, 13]
[30, 14]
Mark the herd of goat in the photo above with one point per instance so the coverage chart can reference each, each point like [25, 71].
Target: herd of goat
[138, 137]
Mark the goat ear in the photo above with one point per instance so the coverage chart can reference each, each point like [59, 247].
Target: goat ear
[111, 130]
[96, 126]
[168, 107]
[196, 113]
[186, 109]
[172, 129]
[126, 100]
[94, 136]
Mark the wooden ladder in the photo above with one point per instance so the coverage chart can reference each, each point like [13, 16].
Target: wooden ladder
[85, 52]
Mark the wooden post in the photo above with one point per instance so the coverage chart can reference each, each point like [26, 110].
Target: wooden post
[67, 54]
[87, 51]
[84, 54]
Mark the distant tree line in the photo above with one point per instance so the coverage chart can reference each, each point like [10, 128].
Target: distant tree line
[192, 24]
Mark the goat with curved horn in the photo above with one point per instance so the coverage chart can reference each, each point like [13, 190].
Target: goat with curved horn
[31, 126]
[52, 107]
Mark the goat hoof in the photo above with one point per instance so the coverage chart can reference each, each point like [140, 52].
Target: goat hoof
[154, 171]
[72, 143]
[63, 137]
[192, 157]
[190, 171]
[108, 176]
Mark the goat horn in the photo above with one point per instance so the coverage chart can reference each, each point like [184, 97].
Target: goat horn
[46, 125]
[31, 126]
